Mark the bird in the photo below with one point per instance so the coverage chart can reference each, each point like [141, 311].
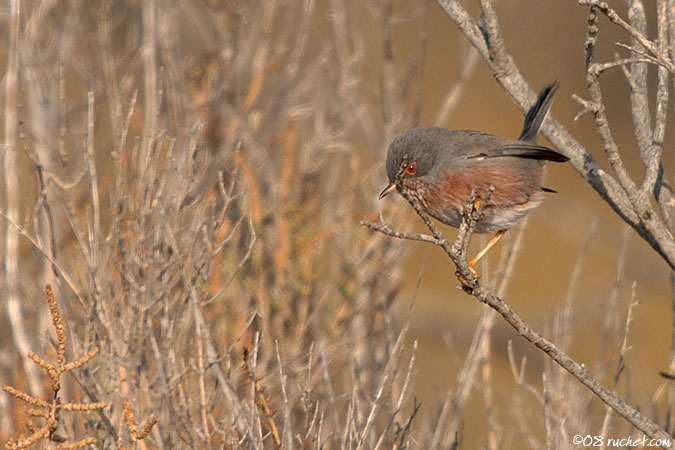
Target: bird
[442, 168]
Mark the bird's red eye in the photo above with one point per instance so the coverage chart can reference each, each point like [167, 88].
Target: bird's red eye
[411, 169]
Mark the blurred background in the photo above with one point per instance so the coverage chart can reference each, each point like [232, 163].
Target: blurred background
[198, 170]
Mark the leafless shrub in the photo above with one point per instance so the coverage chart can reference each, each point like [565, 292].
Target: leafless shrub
[200, 202]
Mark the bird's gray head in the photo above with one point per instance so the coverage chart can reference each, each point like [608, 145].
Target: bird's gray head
[411, 155]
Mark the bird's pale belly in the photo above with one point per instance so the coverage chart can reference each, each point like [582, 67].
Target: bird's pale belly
[496, 218]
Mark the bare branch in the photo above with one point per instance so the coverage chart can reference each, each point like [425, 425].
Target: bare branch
[654, 179]
[646, 43]
[383, 228]
[471, 285]
[601, 122]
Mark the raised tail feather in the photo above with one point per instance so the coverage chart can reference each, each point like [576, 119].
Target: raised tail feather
[537, 113]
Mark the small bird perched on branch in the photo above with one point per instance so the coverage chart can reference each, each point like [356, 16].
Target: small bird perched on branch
[441, 169]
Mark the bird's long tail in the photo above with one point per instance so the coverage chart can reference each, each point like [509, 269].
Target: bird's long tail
[536, 115]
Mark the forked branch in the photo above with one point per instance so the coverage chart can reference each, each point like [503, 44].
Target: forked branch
[457, 252]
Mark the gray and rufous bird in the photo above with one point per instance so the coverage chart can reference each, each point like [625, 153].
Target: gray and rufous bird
[441, 168]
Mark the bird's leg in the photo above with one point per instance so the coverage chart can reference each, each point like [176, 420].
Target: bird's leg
[493, 240]
[477, 206]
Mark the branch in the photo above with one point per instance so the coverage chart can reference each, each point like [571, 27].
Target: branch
[57, 267]
[638, 196]
[471, 285]
[639, 37]
[654, 179]
[601, 124]
[384, 229]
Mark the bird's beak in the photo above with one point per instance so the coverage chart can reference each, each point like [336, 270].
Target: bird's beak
[390, 187]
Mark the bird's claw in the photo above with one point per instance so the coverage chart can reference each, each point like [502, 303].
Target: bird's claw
[475, 206]
[476, 203]
[466, 283]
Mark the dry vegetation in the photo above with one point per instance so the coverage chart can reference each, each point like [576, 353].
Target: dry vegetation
[190, 178]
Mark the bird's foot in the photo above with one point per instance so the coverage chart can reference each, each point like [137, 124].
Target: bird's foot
[466, 283]
[476, 205]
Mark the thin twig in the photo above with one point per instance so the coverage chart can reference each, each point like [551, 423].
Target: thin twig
[384, 229]
[69, 281]
[95, 233]
[378, 401]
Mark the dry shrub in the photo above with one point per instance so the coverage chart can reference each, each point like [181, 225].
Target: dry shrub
[197, 205]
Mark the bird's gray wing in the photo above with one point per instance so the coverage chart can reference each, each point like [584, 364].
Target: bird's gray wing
[522, 149]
